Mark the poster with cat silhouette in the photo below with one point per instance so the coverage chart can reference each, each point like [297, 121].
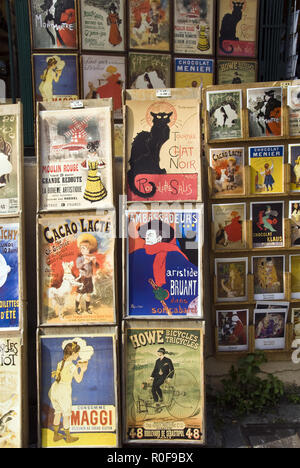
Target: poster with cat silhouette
[268, 277]
[11, 391]
[237, 28]
[265, 112]
[224, 114]
[149, 71]
[10, 275]
[194, 27]
[54, 24]
[163, 148]
[164, 258]
[227, 172]
[236, 71]
[75, 159]
[267, 224]
[76, 257]
[102, 25]
[149, 24]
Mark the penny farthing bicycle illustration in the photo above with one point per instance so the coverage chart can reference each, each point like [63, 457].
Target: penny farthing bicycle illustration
[181, 397]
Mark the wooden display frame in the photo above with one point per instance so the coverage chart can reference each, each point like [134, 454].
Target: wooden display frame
[85, 332]
[194, 439]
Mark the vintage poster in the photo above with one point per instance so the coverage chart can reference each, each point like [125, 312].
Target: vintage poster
[232, 328]
[293, 102]
[102, 25]
[53, 24]
[164, 263]
[193, 72]
[295, 320]
[55, 77]
[9, 275]
[236, 71]
[268, 276]
[264, 112]
[78, 400]
[231, 275]
[224, 114]
[266, 169]
[272, 305]
[10, 133]
[194, 27]
[149, 71]
[267, 224]
[294, 161]
[118, 140]
[104, 77]
[10, 392]
[149, 24]
[229, 226]
[270, 329]
[227, 172]
[237, 28]
[76, 269]
[163, 148]
[164, 383]
[294, 215]
[75, 159]
[294, 268]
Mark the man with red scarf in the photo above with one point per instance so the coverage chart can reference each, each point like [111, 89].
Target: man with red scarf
[152, 270]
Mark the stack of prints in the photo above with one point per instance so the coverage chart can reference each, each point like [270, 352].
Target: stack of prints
[163, 333]
[13, 409]
[76, 245]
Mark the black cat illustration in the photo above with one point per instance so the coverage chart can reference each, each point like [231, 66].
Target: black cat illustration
[229, 25]
[145, 152]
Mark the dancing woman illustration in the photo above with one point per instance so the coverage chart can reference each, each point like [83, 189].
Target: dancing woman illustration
[94, 190]
[52, 73]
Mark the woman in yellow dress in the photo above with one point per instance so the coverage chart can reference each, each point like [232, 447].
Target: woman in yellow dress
[94, 189]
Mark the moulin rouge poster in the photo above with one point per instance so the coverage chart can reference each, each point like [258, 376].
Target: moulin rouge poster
[163, 263]
[163, 147]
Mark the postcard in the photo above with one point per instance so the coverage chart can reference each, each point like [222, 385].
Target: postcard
[224, 114]
[267, 224]
[231, 279]
[228, 171]
[270, 329]
[268, 276]
[267, 169]
[265, 111]
[229, 228]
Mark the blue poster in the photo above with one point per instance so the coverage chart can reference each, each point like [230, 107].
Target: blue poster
[78, 401]
[9, 276]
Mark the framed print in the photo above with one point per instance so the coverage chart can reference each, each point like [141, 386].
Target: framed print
[232, 330]
[194, 27]
[103, 76]
[231, 279]
[267, 224]
[55, 77]
[295, 319]
[11, 391]
[162, 149]
[236, 71]
[272, 305]
[227, 171]
[267, 169]
[53, 24]
[11, 155]
[293, 102]
[10, 275]
[78, 400]
[224, 114]
[75, 159]
[294, 161]
[295, 276]
[164, 382]
[265, 112]
[270, 329]
[237, 28]
[164, 251]
[229, 226]
[268, 275]
[76, 268]
[149, 71]
[149, 24]
[193, 72]
[102, 25]
[294, 215]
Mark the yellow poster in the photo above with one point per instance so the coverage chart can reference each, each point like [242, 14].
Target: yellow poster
[266, 163]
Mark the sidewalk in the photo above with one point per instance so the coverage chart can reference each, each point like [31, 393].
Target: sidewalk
[277, 429]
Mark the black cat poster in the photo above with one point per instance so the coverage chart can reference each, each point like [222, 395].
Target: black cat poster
[163, 148]
[237, 28]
